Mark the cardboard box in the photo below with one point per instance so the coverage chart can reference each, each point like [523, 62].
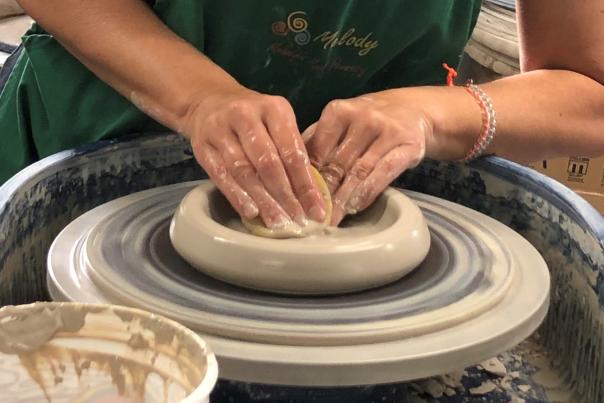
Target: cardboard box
[583, 175]
[596, 199]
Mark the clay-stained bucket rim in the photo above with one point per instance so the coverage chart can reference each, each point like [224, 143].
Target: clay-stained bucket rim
[201, 393]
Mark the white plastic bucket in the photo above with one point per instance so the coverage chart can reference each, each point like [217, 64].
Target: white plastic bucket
[72, 352]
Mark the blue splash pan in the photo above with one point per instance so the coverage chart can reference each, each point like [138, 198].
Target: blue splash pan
[561, 362]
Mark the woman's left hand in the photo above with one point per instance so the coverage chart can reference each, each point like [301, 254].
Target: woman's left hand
[361, 145]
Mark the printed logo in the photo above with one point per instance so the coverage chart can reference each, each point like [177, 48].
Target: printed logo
[577, 168]
[297, 24]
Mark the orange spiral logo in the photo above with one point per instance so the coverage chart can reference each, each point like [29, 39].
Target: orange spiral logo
[296, 21]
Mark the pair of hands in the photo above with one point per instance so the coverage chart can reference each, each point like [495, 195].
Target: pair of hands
[250, 146]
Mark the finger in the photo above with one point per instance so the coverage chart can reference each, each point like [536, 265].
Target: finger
[329, 131]
[337, 215]
[262, 153]
[386, 170]
[244, 173]
[281, 124]
[360, 170]
[358, 138]
[214, 165]
[309, 133]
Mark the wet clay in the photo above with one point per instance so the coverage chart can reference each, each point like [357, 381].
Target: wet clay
[375, 247]
[26, 331]
[353, 227]
[55, 348]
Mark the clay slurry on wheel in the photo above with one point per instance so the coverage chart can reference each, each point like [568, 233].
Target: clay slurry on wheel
[257, 227]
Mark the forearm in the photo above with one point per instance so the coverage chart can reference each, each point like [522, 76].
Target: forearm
[555, 108]
[540, 114]
[129, 48]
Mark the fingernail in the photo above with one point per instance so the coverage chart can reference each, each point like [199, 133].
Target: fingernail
[354, 204]
[301, 220]
[250, 210]
[317, 213]
[336, 217]
[282, 221]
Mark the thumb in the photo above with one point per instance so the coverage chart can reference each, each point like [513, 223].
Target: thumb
[309, 132]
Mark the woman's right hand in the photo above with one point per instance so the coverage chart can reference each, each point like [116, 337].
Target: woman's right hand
[251, 148]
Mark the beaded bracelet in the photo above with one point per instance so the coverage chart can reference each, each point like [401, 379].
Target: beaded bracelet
[489, 121]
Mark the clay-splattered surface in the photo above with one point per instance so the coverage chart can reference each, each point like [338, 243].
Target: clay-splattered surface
[522, 375]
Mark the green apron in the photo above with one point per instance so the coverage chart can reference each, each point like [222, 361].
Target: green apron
[307, 51]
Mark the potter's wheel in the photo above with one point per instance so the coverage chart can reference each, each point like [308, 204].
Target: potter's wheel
[481, 290]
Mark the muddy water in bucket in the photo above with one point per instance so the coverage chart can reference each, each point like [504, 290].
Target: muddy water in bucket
[51, 352]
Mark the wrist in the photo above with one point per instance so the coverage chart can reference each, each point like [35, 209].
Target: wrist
[455, 119]
[201, 102]
[173, 98]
